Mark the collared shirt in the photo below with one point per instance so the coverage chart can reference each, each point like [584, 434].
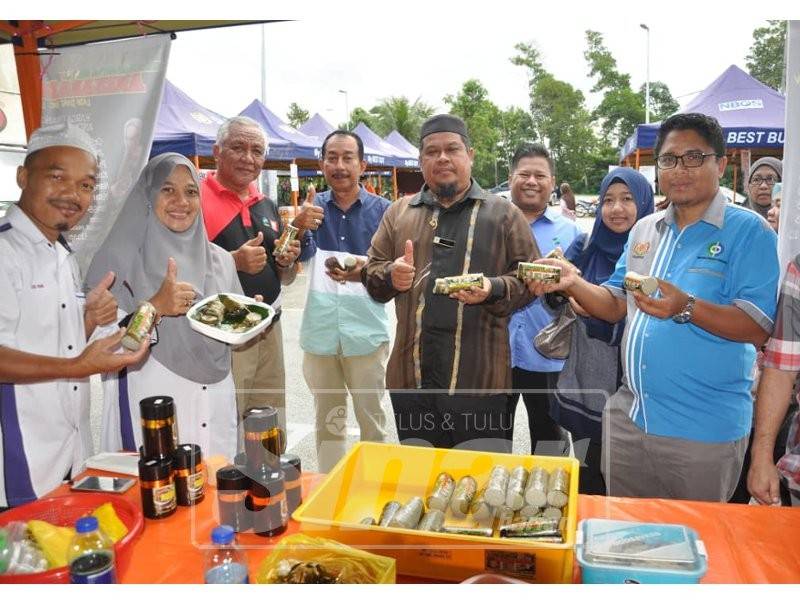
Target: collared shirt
[231, 221]
[783, 352]
[440, 343]
[342, 318]
[44, 426]
[680, 380]
[551, 230]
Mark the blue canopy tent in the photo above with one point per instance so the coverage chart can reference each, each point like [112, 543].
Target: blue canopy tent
[751, 114]
[286, 144]
[184, 126]
[376, 149]
[396, 139]
[316, 126]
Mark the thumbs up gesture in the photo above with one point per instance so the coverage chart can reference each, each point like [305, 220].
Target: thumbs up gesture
[101, 306]
[251, 257]
[402, 269]
[311, 215]
[174, 297]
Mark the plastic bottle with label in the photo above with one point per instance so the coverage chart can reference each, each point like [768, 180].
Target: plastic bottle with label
[91, 554]
[225, 563]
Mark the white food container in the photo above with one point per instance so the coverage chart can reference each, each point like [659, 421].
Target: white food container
[230, 337]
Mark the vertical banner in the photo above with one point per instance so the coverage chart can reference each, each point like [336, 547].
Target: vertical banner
[789, 230]
[112, 90]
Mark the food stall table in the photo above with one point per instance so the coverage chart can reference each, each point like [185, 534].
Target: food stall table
[745, 544]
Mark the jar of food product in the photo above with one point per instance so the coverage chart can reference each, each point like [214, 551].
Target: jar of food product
[157, 487]
[159, 429]
[190, 474]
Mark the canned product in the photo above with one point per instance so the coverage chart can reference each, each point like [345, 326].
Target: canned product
[140, 325]
[643, 283]
[538, 272]
[289, 235]
[448, 285]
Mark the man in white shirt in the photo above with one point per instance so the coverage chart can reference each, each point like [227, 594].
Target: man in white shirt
[45, 319]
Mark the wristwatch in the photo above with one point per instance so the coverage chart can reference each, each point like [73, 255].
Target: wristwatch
[686, 314]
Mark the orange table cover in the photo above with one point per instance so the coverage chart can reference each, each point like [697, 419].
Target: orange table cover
[745, 544]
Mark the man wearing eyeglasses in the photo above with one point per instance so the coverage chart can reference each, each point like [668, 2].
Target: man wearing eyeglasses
[345, 333]
[240, 219]
[678, 426]
[764, 174]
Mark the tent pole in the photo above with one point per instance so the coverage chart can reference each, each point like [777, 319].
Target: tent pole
[735, 173]
[29, 73]
[294, 196]
[637, 159]
[394, 183]
[380, 185]
[196, 161]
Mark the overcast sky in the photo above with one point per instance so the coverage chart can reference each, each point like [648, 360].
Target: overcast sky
[417, 50]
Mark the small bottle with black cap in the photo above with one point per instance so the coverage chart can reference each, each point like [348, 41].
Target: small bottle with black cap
[262, 440]
[292, 470]
[232, 489]
[190, 474]
[159, 429]
[157, 487]
[266, 502]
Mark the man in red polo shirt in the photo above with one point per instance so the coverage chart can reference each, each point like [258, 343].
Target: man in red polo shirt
[240, 219]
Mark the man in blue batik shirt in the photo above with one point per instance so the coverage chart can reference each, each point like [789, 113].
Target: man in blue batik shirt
[534, 375]
[345, 333]
[678, 426]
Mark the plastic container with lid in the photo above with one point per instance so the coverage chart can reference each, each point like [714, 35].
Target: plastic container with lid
[630, 552]
[232, 489]
[263, 439]
[267, 503]
[159, 429]
[292, 470]
[157, 486]
[190, 474]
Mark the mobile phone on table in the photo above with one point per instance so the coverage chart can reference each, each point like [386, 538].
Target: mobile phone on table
[112, 485]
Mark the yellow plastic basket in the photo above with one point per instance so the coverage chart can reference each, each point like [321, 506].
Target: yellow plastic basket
[372, 474]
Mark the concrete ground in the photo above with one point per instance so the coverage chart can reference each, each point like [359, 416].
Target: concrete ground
[300, 407]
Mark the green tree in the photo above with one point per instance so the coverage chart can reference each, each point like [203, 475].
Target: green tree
[662, 103]
[560, 120]
[483, 120]
[766, 57]
[297, 115]
[398, 112]
[359, 115]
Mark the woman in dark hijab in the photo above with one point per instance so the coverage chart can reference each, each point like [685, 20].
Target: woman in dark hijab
[592, 371]
[159, 250]
[764, 174]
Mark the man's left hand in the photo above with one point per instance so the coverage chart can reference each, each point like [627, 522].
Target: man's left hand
[101, 306]
[353, 275]
[672, 301]
[288, 258]
[474, 295]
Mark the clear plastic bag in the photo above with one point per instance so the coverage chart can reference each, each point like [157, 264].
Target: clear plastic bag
[301, 558]
[18, 553]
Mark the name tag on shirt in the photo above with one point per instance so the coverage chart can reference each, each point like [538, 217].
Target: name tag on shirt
[444, 242]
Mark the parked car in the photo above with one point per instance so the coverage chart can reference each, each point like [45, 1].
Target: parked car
[502, 190]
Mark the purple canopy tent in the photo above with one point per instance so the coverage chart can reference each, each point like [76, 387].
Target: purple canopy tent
[285, 142]
[751, 114]
[184, 126]
[316, 126]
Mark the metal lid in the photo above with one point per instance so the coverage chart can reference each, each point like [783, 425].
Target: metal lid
[651, 546]
[259, 419]
[157, 407]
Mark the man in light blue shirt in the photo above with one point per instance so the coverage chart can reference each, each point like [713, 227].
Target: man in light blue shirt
[534, 375]
[344, 333]
[678, 426]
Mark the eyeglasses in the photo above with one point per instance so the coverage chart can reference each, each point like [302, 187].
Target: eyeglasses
[758, 180]
[690, 160]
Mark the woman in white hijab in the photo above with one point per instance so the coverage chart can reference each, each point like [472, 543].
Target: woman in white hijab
[159, 250]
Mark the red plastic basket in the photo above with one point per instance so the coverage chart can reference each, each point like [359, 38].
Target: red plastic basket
[64, 511]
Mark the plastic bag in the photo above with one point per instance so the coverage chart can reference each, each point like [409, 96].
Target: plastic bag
[301, 558]
[18, 554]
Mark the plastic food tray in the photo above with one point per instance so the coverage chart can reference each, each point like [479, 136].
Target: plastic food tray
[64, 511]
[229, 337]
[372, 474]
